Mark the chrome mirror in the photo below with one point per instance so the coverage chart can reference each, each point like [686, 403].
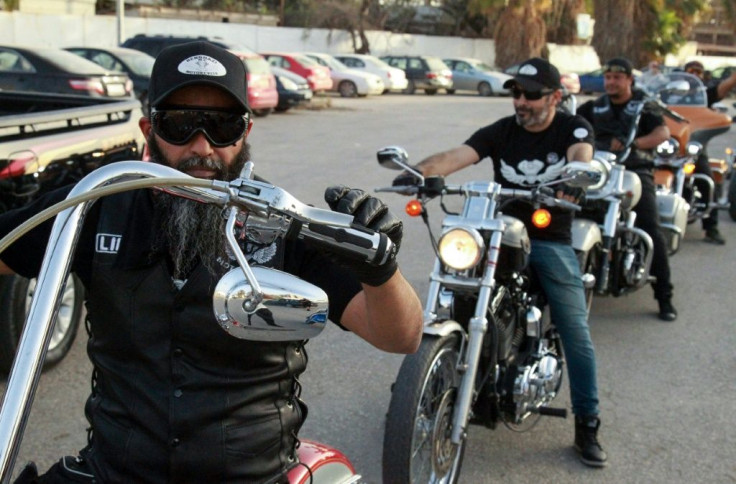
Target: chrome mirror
[581, 174]
[393, 157]
[291, 309]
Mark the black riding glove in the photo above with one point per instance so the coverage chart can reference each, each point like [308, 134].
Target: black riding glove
[405, 179]
[371, 213]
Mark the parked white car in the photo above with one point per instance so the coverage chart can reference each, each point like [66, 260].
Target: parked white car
[475, 75]
[394, 79]
[348, 82]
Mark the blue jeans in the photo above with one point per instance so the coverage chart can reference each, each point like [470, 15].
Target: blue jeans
[558, 272]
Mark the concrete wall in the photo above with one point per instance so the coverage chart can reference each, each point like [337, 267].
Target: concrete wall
[65, 30]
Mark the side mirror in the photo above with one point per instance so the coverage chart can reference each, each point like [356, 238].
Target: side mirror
[291, 309]
[393, 158]
[580, 174]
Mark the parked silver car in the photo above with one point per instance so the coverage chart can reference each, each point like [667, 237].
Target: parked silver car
[475, 75]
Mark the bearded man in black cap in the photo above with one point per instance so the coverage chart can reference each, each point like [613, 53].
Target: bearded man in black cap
[175, 398]
[527, 149]
[612, 118]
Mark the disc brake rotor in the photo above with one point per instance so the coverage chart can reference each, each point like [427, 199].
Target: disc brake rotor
[443, 450]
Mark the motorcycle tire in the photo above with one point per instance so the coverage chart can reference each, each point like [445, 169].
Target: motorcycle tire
[590, 267]
[732, 198]
[15, 299]
[416, 444]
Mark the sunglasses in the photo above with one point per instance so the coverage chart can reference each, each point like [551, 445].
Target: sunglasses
[695, 70]
[615, 68]
[178, 126]
[530, 95]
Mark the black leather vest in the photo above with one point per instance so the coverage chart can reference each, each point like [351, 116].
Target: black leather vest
[609, 126]
[175, 398]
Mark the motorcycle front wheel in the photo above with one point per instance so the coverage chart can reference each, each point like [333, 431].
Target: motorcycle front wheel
[416, 445]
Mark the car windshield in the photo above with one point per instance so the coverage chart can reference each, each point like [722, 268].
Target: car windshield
[66, 61]
[435, 64]
[677, 88]
[332, 63]
[139, 64]
[305, 60]
[257, 65]
[482, 66]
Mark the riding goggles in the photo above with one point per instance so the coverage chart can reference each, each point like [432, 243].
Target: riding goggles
[615, 68]
[178, 126]
[530, 95]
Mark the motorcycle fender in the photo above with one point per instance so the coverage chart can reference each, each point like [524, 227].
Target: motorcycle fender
[585, 235]
[443, 328]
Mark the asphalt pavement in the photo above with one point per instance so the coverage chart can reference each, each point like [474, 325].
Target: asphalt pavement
[666, 389]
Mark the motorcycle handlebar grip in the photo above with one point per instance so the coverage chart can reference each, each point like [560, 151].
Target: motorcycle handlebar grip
[357, 242]
[553, 412]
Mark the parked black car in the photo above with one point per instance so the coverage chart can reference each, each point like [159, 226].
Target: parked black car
[44, 69]
[293, 89]
[423, 72]
[153, 44]
[138, 65]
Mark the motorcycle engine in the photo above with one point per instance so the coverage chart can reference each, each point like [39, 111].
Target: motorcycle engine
[538, 383]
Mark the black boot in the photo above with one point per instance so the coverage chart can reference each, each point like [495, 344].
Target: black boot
[667, 311]
[586, 441]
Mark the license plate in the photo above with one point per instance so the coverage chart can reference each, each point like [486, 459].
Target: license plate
[115, 90]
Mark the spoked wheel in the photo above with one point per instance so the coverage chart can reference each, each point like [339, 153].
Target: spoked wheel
[417, 446]
[15, 301]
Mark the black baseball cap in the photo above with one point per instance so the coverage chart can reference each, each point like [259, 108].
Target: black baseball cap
[197, 63]
[535, 74]
[619, 64]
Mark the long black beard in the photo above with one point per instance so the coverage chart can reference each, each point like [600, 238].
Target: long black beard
[192, 231]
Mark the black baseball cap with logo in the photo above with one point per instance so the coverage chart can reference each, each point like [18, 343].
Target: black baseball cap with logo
[197, 63]
[535, 74]
[619, 64]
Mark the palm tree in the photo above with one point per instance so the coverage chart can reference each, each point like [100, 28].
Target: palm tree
[520, 33]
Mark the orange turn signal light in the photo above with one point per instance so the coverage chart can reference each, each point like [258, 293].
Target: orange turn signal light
[689, 168]
[541, 218]
[414, 208]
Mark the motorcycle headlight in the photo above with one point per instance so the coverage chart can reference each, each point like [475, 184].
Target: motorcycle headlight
[604, 167]
[668, 148]
[694, 148]
[461, 248]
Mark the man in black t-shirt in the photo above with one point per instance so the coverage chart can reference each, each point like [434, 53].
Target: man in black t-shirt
[714, 92]
[612, 116]
[174, 397]
[527, 149]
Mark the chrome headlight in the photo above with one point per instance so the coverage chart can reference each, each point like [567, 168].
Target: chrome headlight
[668, 148]
[693, 148]
[461, 248]
[601, 165]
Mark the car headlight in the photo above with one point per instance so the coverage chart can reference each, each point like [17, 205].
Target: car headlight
[668, 148]
[461, 248]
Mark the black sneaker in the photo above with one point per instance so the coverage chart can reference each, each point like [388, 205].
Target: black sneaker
[667, 311]
[586, 441]
[714, 237]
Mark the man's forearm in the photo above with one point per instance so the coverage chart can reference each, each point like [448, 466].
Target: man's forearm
[448, 161]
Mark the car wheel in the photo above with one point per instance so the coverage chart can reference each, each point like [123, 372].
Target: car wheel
[430, 92]
[347, 89]
[15, 301]
[282, 109]
[484, 89]
[410, 88]
[450, 91]
[262, 113]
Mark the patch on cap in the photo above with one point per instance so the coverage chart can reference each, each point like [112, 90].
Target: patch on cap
[528, 70]
[202, 65]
